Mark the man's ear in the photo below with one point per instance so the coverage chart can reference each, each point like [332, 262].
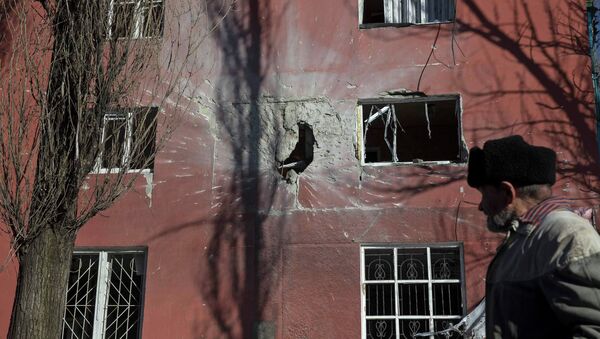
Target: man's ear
[509, 190]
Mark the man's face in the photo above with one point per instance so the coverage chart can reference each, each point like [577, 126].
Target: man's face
[495, 204]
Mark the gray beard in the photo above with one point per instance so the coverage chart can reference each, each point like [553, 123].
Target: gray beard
[501, 222]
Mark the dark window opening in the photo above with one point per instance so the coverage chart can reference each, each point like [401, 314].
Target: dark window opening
[115, 129]
[376, 13]
[152, 17]
[112, 282]
[405, 131]
[137, 19]
[128, 140]
[302, 155]
[373, 12]
[411, 290]
[123, 21]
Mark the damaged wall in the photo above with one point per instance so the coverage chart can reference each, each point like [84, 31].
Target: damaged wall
[234, 247]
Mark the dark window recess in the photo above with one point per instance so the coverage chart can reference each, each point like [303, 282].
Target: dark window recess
[302, 155]
[412, 264]
[419, 290]
[143, 138]
[382, 328]
[377, 13]
[137, 19]
[81, 297]
[153, 23]
[123, 22]
[373, 12]
[412, 132]
[112, 282]
[129, 139]
[410, 327]
[413, 299]
[380, 299]
[115, 130]
[447, 299]
[379, 264]
[124, 296]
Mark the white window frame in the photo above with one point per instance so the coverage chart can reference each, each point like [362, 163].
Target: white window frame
[406, 12]
[360, 136]
[103, 285]
[430, 281]
[128, 116]
[127, 145]
[138, 17]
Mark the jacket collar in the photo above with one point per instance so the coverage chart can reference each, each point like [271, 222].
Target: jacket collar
[537, 213]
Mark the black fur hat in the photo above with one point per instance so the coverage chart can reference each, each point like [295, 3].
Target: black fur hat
[511, 159]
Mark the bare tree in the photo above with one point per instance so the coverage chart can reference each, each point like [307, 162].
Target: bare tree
[81, 91]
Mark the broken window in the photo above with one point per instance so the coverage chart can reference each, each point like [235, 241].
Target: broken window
[411, 130]
[411, 289]
[128, 141]
[302, 155]
[105, 295]
[136, 19]
[405, 12]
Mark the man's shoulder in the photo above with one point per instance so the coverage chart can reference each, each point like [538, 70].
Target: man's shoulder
[566, 237]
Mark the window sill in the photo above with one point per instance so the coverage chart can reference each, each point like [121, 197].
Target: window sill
[118, 170]
[415, 164]
[401, 24]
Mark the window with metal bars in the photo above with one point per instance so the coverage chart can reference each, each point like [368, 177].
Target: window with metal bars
[417, 130]
[411, 289]
[135, 19]
[105, 295]
[405, 12]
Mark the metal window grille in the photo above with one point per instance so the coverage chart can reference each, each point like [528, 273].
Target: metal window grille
[135, 19]
[411, 289]
[104, 295]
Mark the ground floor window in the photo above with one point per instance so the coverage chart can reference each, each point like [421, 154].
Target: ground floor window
[105, 295]
[410, 289]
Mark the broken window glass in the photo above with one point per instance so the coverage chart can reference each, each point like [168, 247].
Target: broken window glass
[412, 130]
[128, 140]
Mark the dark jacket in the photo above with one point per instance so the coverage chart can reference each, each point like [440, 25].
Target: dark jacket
[545, 281]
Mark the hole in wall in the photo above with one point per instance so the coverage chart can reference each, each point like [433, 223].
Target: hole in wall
[302, 155]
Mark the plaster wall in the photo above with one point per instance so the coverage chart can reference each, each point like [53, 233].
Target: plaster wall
[234, 249]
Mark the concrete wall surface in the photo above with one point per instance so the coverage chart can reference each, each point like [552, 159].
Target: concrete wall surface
[237, 250]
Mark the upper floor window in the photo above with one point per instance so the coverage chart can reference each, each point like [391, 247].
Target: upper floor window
[411, 289]
[105, 295]
[136, 19]
[128, 141]
[411, 130]
[405, 12]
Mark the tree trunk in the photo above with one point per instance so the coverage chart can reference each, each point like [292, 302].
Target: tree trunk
[41, 285]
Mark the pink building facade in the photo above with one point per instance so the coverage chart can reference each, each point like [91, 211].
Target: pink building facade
[316, 188]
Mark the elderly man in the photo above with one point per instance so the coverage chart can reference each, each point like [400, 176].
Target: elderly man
[544, 281]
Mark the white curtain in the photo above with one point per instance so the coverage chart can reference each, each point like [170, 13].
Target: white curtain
[418, 11]
[393, 11]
